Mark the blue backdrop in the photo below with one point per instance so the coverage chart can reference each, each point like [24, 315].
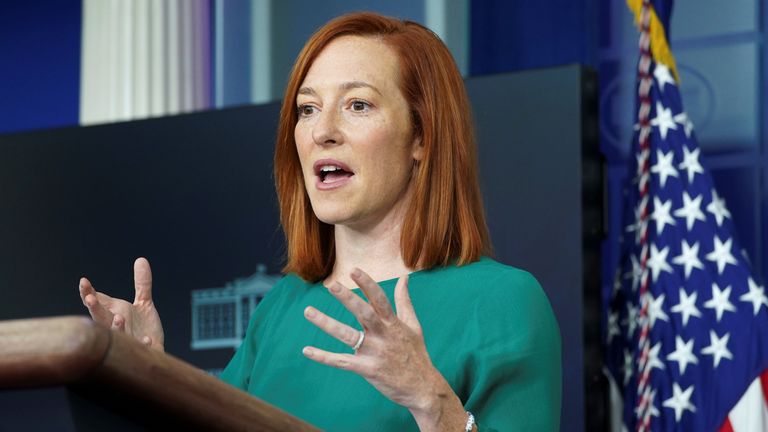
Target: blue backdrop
[39, 64]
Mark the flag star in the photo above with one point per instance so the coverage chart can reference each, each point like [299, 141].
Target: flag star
[656, 309]
[691, 210]
[680, 401]
[756, 296]
[688, 258]
[661, 214]
[634, 226]
[663, 166]
[718, 347]
[613, 326]
[687, 306]
[652, 410]
[628, 369]
[663, 120]
[719, 301]
[718, 209]
[683, 120]
[653, 358]
[642, 225]
[616, 284]
[683, 353]
[661, 72]
[745, 255]
[658, 261]
[631, 320]
[691, 163]
[721, 254]
[636, 273]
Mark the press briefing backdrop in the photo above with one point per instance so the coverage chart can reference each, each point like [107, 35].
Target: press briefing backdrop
[194, 194]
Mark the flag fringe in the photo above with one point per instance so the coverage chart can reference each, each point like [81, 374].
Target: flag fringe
[659, 45]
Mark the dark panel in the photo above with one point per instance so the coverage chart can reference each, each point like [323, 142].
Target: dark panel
[20, 410]
[530, 134]
[192, 193]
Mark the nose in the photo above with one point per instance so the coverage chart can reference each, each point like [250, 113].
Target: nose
[326, 129]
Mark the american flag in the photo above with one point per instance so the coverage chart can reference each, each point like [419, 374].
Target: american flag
[687, 326]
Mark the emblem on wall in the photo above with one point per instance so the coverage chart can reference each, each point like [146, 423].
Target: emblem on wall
[220, 316]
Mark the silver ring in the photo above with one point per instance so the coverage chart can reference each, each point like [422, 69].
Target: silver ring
[359, 341]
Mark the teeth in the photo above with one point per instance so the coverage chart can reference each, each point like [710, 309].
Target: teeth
[329, 168]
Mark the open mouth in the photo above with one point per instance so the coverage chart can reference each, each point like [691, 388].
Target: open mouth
[330, 172]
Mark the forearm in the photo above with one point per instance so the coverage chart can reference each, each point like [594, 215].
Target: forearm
[441, 410]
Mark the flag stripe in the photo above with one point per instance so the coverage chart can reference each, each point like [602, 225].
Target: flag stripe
[750, 413]
[764, 381]
[726, 427]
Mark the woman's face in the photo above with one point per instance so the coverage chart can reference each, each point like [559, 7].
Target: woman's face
[354, 134]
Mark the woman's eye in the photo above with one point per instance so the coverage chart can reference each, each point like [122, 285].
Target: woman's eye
[306, 110]
[360, 106]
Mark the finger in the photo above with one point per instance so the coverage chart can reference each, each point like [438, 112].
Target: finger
[85, 288]
[344, 333]
[374, 294]
[142, 280]
[339, 361]
[362, 311]
[404, 305]
[118, 323]
[98, 312]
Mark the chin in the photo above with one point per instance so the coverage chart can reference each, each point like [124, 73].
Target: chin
[331, 215]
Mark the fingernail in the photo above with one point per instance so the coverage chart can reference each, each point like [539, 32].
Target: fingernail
[357, 272]
[307, 351]
[309, 312]
[335, 288]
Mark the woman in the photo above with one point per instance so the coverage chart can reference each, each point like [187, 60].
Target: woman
[375, 169]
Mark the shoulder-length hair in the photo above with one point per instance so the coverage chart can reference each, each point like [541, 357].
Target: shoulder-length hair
[444, 223]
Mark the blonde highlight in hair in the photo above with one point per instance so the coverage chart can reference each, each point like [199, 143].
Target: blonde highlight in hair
[444, 222]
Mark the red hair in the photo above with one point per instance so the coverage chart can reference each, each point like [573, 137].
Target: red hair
[444, 223]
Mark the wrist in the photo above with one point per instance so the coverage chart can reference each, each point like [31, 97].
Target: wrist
[435, 393]
[439, 408]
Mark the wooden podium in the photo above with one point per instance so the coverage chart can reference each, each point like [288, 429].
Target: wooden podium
[113, 382]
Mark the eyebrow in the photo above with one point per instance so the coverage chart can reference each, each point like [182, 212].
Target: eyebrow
[344, 86]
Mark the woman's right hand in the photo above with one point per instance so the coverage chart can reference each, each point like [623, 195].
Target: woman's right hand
[139, 319]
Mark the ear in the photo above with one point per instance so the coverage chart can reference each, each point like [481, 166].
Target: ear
[418, 149]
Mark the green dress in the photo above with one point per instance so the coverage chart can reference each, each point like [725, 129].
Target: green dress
[489, 329]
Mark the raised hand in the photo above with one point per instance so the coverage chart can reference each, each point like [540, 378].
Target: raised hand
[138, 319]
[392, 356]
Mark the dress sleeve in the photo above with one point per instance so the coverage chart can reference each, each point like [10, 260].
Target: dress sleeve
[514, 369]
[238, 370]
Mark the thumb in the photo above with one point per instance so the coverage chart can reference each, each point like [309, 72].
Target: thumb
[404, 306]
[142, 280]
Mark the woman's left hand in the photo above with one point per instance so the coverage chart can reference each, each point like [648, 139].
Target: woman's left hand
[393, 356]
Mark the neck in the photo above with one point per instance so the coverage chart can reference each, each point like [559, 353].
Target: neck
[374, 250]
